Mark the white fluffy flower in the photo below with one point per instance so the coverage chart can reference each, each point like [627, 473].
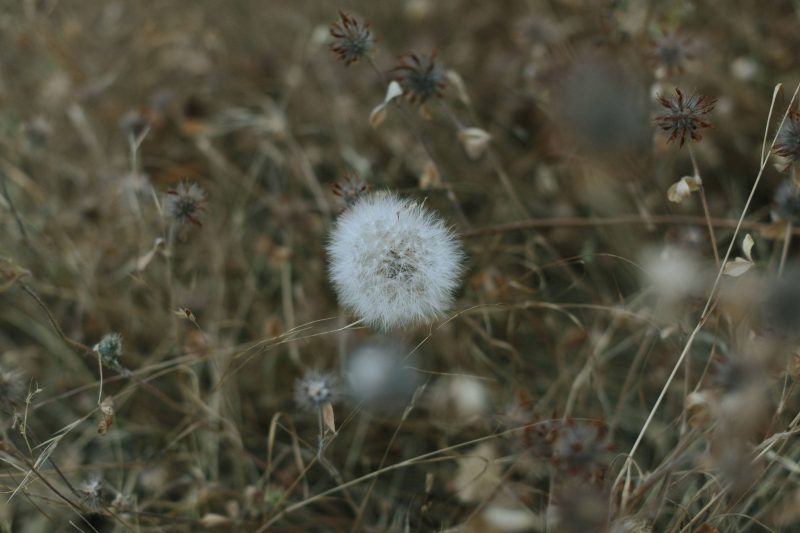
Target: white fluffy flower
[393, 262]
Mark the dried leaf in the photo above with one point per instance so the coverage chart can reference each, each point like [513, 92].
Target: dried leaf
[107, 410]
[456, 81]
[683, 188]
[378, 113]
[211, 520]
[328, 417]
[377, 116]
[475, 141]
[430, 178]
[145, 260]
[747, 247]
[737, 267]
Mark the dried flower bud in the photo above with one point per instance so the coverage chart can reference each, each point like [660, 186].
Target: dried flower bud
[685, 116]
[787, 143]
[110, 350]
[352, 38]
[185, 204]
[420, 76]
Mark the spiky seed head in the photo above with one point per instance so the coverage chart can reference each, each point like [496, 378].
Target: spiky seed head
[787, 143]
[314, 390]
[393, 262]
[671, 50]
[352, 38]
[685, 115]
[110, 349]
[420, 76]
[185, 204]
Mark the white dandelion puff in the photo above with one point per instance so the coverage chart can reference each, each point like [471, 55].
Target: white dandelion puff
[393, 262]
[379, 375]
[314, 390]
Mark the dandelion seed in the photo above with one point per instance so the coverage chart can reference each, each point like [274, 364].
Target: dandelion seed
[352, 38]
[185, 204]
[314, 390]
[110, 350]
[393, 262]
[420, 76]
[685, 116]
[787, 143]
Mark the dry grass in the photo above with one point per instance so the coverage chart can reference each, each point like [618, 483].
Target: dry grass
[601, 370]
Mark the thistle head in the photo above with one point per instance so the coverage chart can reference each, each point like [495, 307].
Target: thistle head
[110, 349]
[420, 76]
[314, 390]
[685, 115]
[393, 262]
[352, 38]
[185, 204]
[787, 143]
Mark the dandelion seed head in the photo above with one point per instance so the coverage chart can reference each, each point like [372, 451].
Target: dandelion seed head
[393, 262]
[314, 389]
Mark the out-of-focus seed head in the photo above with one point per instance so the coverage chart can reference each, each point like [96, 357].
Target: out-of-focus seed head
[787, 201]
[781, 312]
[685, 115]
[579, 447]
[787, 143]
[380, 377]
[92, 494]
[110, 349]
[352, 38]
[420, 76]
[314, 390]
[349, 189]
[670, 51]
[185, 204]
